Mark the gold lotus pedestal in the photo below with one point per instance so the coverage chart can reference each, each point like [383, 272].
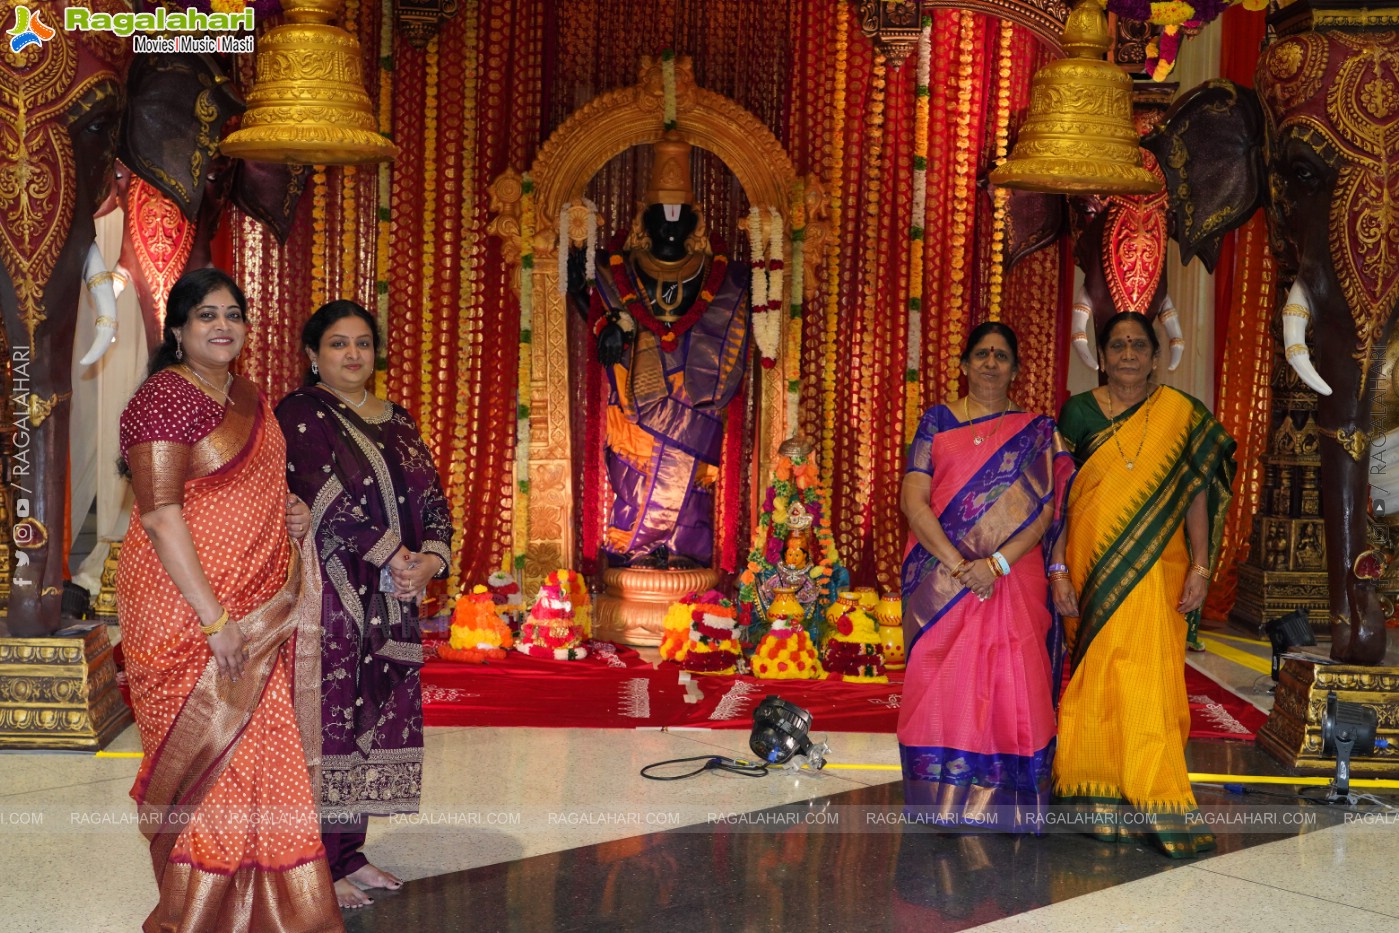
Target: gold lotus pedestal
[632, 610]
[60, 692]
[1292, 733]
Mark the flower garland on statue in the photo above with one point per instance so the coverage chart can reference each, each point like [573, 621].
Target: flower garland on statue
[766, 242]
[668, 334]
[917, 225]
[522, 408]
[590, 247]
[1178, 20]
[668, 88]
[795, 479]
[794, 309]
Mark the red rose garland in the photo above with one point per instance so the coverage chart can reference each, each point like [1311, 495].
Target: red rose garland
[669, 335]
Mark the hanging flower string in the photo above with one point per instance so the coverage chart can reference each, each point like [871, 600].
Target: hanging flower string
[669, 334]
[1000, 197]
[522, 409]
[668, 87]
[794, 312]
[922, 99]
[590, 244]
[834, 257]
[1178, 19]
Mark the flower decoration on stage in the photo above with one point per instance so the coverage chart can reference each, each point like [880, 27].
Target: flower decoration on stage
[478, 633]
[795, 479]
[854, 652]
[565, 248]
[668, 334]
[713, 647]
[1178, 20]
[509, 600]
[552, 629]
[668, 88]
[675, 636]
[786, 651]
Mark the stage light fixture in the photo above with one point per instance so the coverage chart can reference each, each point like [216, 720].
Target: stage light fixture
[1347, 730]
[1287, 632]
[781, 730]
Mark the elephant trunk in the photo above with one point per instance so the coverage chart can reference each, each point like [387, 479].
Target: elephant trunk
[1295, 315]
[1083, 310]
[104, 298]
[1170, 319]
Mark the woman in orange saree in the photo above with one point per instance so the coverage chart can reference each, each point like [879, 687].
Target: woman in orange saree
[219, 616]
[1144, 523]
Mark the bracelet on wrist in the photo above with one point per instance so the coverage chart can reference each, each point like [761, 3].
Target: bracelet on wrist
[1001, 564]
[1059, 575]
[214, 627]
[1201, 570]
[1058, 568]
[960, 569]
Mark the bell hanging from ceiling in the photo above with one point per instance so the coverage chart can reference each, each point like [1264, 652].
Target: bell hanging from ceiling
[308, 104]
[1078, 137]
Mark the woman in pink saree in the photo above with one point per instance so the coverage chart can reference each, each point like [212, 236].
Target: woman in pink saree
[983, 495]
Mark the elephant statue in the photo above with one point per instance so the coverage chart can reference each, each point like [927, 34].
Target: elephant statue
[1119, 243]
[1317, 145]
[68, 102]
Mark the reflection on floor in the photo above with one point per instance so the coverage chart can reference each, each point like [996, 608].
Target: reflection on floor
[551, 829]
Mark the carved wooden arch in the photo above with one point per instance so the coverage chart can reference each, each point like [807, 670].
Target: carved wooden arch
[576, 151]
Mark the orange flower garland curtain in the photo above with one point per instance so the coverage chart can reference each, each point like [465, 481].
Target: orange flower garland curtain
[486, 92]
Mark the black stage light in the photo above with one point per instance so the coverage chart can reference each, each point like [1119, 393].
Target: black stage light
[1287, 632]
[1347, 730]
[780, 730]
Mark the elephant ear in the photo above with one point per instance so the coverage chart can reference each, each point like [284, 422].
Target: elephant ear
[270, 191]
[1033, 221]
[1209, 147]
[177, 105]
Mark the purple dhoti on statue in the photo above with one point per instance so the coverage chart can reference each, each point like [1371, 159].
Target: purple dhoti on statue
[665, 426]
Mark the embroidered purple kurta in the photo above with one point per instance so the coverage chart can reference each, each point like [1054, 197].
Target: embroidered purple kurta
[665, 425]
[371, 486]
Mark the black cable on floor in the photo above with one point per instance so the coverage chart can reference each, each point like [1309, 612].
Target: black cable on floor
[711, 763]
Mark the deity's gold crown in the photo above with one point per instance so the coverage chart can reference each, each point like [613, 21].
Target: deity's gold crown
[670, 171]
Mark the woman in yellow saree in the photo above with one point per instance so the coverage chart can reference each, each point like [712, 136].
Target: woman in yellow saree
[220, 620]
[1145, 515]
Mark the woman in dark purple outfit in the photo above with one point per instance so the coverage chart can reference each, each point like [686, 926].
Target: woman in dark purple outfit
[382, 529]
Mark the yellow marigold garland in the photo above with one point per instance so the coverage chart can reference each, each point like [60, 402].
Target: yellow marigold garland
[922, 95]
[833, 247]
[385, 216]
[794, 308]
[956, 310]
[522, 412]
[868, 373]
[428, 397]
[319, 242]
[349, 228]
[1000, 196]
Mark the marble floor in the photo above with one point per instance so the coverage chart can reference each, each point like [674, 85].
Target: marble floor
[552, 829]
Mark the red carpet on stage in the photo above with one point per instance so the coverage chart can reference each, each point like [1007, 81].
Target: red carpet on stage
[614, 688]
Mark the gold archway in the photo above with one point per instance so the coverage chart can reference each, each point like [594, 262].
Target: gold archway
[573, 154]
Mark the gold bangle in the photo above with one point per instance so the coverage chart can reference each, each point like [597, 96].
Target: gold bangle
[1297, 349]
[215, 626]
[1201, 570]
[1296, 310]
[1059, 575]
[960, 569]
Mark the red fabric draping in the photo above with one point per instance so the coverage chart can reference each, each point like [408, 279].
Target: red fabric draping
[1244, 297]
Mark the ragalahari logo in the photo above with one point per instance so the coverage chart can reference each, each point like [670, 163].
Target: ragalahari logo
[29, 30]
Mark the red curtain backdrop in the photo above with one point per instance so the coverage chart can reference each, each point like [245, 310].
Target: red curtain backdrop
[501, 75]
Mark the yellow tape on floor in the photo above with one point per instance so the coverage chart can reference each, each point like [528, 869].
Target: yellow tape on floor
[1230, 653]
[121, 754]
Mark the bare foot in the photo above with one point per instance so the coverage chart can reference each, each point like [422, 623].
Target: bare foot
[350, 897]
[370, 876]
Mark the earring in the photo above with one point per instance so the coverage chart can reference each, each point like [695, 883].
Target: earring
[179, 351]
[315, 368]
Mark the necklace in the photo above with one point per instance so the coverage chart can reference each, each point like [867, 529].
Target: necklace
[344, 398]
[227, 400]
[1131, 462]
[669, 279]
[977, 439]
[668, 333]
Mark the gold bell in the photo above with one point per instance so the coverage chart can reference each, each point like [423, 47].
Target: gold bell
[308, 104]
[1078, 137]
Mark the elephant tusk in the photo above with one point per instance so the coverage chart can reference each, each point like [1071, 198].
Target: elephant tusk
[120, 279]
[1170, 319]
[99, 287]
[1295, 315]
[1083, 310]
